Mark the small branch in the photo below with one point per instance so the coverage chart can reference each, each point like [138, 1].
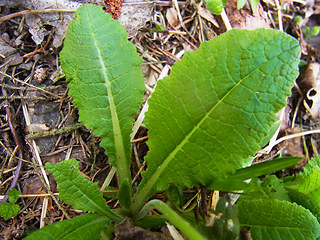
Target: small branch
[279, 15]
[30, 85]
[267, 149]
[108, 178]
[226, 20]
[18, 142]
[53, 132]
[10, 16]
[12, 98]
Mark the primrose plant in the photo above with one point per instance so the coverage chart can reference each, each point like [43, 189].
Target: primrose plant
[205, 121]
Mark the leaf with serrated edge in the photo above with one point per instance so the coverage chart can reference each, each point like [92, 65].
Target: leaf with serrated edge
[277, 220]
[8, 210]
[106, 82]
[216, 107]
[83, 227]
[309, 179]
[78, 191]
[305, 190]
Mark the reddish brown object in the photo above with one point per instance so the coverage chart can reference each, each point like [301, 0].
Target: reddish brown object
[114, 8]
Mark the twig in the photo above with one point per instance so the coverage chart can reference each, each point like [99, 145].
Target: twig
[279, 15]
[12, 98]
[43, 212]
[53, 132]
[10, 16]
[158, 3]
[34, 145]
[30, 85]
[226, 20]
[45, 179]
[38, 50]
[108, 178]
[17, 142]
[139, 139]
[269, 147]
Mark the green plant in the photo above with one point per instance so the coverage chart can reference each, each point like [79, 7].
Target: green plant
[282, 196]
[205, 121]
[215, 6]
[10, 209]
[253, 3]
[308, 33]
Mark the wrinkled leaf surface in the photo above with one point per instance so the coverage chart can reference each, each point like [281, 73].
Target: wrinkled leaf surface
[83, 227]
[217, 106]
[272, 219]
[78, 191]
[305, 190]
[105, 77]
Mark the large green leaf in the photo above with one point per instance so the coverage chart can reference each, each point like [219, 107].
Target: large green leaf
[105, 77]
[216, 107]
[277, 220]
[86, 227]
[78, 191]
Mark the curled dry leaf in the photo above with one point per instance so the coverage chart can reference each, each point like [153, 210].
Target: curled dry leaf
[172, 17]
[293, 146]
[206, 14]
[34, 127]
[310, 86]
[243, 18]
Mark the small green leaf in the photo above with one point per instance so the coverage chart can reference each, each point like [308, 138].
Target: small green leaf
[264, 168]
[160, 27]
[106, 82]
[315, 31]
[236, 181]
[305, 190]
[124, 194]
[175, 196]
[269, 187]
[78, 191]
[8, 210]
[272, 219]
[274, 128]
[254, 4]
[13, 195]
[309, 179]
[240, 4]
[215, 6]
[83, 227]
[226, 225]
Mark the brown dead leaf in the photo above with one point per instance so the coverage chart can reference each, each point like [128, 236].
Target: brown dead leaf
[172, 17]
[206, 14]
[127, 231]
[244, 19]
[32, 128]
[293, 146]
[309, 84]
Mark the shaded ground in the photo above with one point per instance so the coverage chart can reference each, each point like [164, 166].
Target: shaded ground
[38, 123]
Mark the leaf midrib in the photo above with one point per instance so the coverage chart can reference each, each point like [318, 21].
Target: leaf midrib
[205, 117]
[78, 229]
[120, 158]
[153, 179]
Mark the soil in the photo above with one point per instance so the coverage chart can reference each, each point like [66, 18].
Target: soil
[39, 124]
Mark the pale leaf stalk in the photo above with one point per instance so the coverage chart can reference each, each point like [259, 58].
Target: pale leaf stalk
[142, 196]
[174, 218]
[122, 166]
